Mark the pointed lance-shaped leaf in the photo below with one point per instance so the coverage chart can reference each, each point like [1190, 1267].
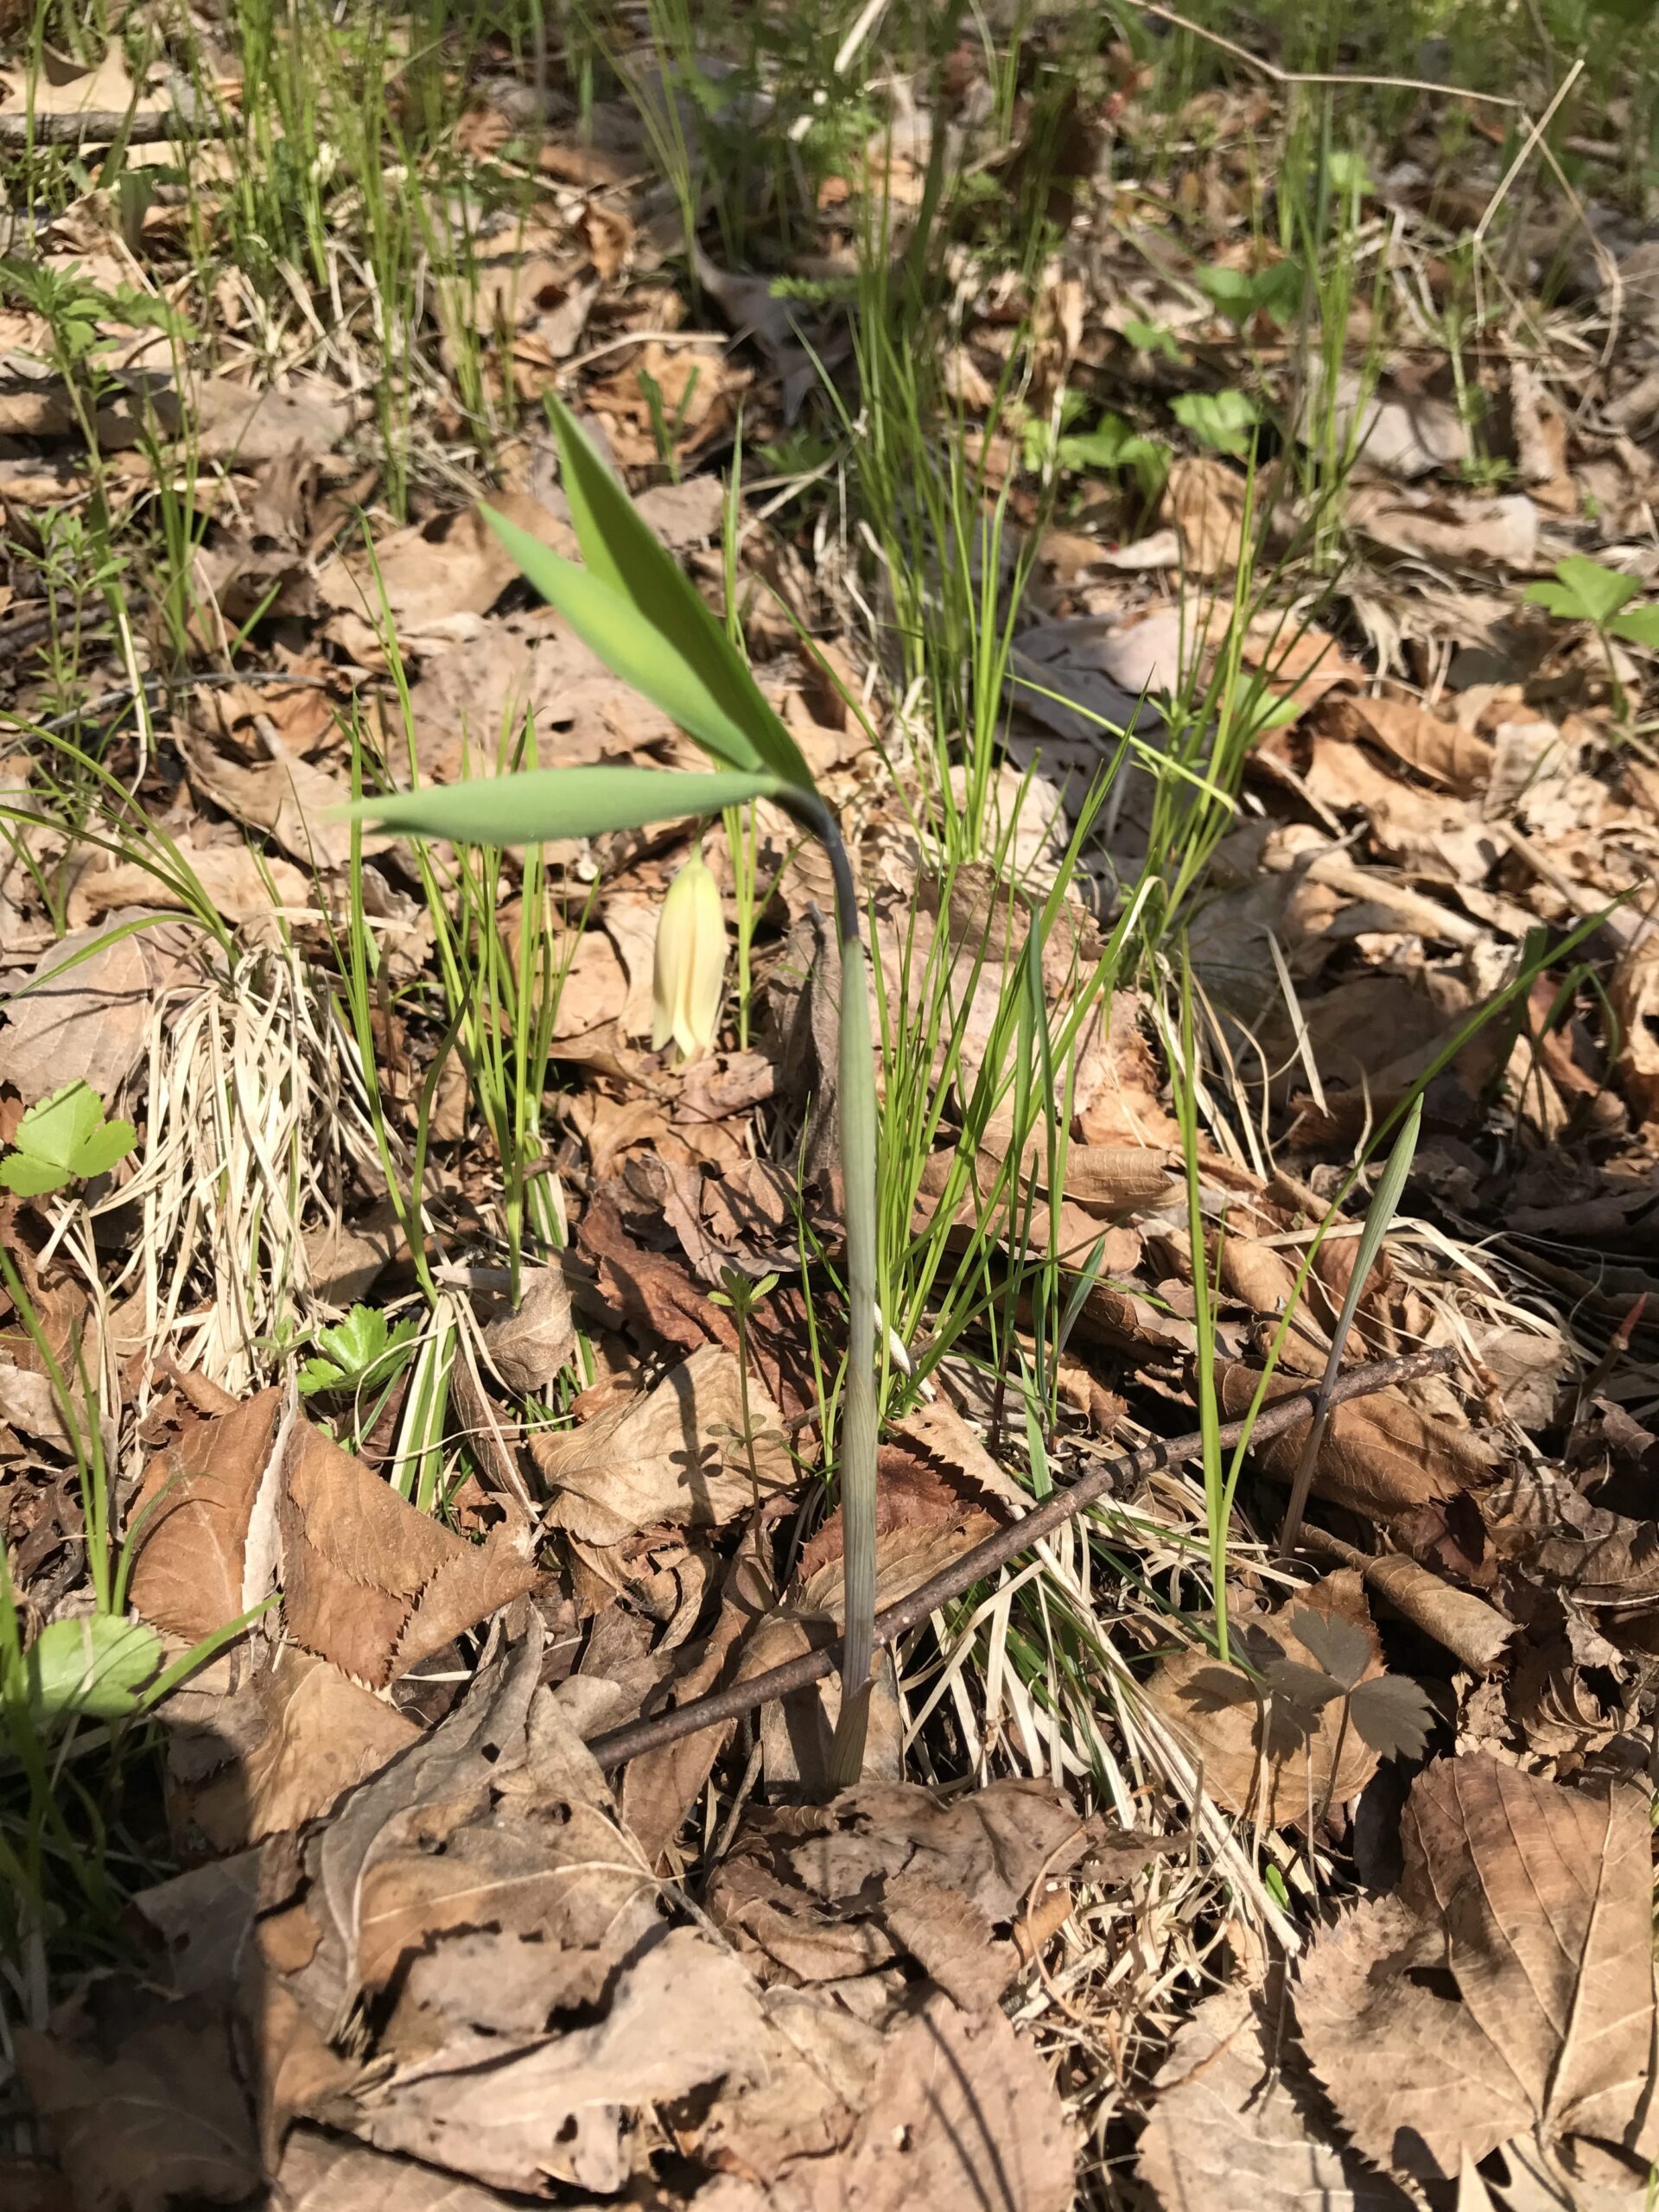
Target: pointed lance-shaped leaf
[640, 613]
[545, 803]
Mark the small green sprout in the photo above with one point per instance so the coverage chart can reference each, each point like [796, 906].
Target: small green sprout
[361, 1352]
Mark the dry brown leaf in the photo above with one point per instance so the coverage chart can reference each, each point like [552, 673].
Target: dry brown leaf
[196, 1569]
[676, 1453]
[139, 2097]
[321, 2173]
[1281, 1774]
[290, 800]
[1634, 996]
[1444, 751]
[1508, 1989]
[304, 1734]
[529, 1347]
[1379, 1455]
[64, 86]
[434, 580]
[239, 886]
[956, 2099]
[77, 1019]
[1476, 530]
[368, 1582]
[30, 1402]
[1231, 2129]
[683, 2015]
[1204, 501]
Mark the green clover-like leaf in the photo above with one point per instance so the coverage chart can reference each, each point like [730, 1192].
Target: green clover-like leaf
[1341, 1647]
[1583, 590]
[99, 1666]
[65, 1139]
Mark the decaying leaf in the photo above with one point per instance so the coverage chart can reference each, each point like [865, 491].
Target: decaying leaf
[1379, 1456]
[1507, 1990]
[83, 1013]
[529, 1346]
[140, 2098]
[676, 1454]
[1235, 2127]
[370, 1583]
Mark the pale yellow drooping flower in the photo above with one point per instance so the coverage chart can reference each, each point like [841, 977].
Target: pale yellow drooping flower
[691, 963]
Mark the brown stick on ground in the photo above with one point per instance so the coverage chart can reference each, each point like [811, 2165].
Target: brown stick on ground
[618, 1746]
[94, 126]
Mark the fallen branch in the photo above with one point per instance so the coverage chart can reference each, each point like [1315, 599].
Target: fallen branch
[618, 1746]
[97, 126]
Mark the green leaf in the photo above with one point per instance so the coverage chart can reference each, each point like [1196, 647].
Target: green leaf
[1305, 1689]
[1221, 419]
[647, 620]
[561, 803]
[99, 1666]
[1230, 289]
[65, 1139]
[358, 1349]
[1640, 626]
[1152, 338]
[1584, 591]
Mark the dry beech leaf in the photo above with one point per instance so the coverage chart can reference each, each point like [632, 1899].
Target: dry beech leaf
[1220, 1711]
[1534, 1905]
[676, 1453]
[241, 886]
[89, 1018]
[139, 2097]
[196, 1569]
[370, 1583]
[1236, 2125]
[1379, 1455]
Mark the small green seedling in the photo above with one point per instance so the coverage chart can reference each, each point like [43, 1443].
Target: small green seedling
[1275, 291]
[65, 1139]
[1113, 447]
[1583, 590]
[360, 1353]
[631, 603]
[1154, 338]
[1223, 420]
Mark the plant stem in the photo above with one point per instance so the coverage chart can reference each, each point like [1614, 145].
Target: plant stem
[855, 1104]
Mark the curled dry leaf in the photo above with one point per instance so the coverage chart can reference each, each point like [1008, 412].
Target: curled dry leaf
[1444, 752]
[321, 2173]
[676, 1453]
[1379, 1456]
[1204, 501]
[197, 1564]
[368, 1582]
[1507, 1990]
[529, 1346]
[1237, 2127]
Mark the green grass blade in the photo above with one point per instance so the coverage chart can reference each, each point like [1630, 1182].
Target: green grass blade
[546, 803]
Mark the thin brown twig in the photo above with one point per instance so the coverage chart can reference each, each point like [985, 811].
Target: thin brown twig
[1310, 77]
[98, 126]
[616, 1746]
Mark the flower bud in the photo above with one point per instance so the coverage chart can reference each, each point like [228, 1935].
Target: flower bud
[690, 963]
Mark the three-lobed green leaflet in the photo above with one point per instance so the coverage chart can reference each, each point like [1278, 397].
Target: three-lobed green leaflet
[634, 607]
